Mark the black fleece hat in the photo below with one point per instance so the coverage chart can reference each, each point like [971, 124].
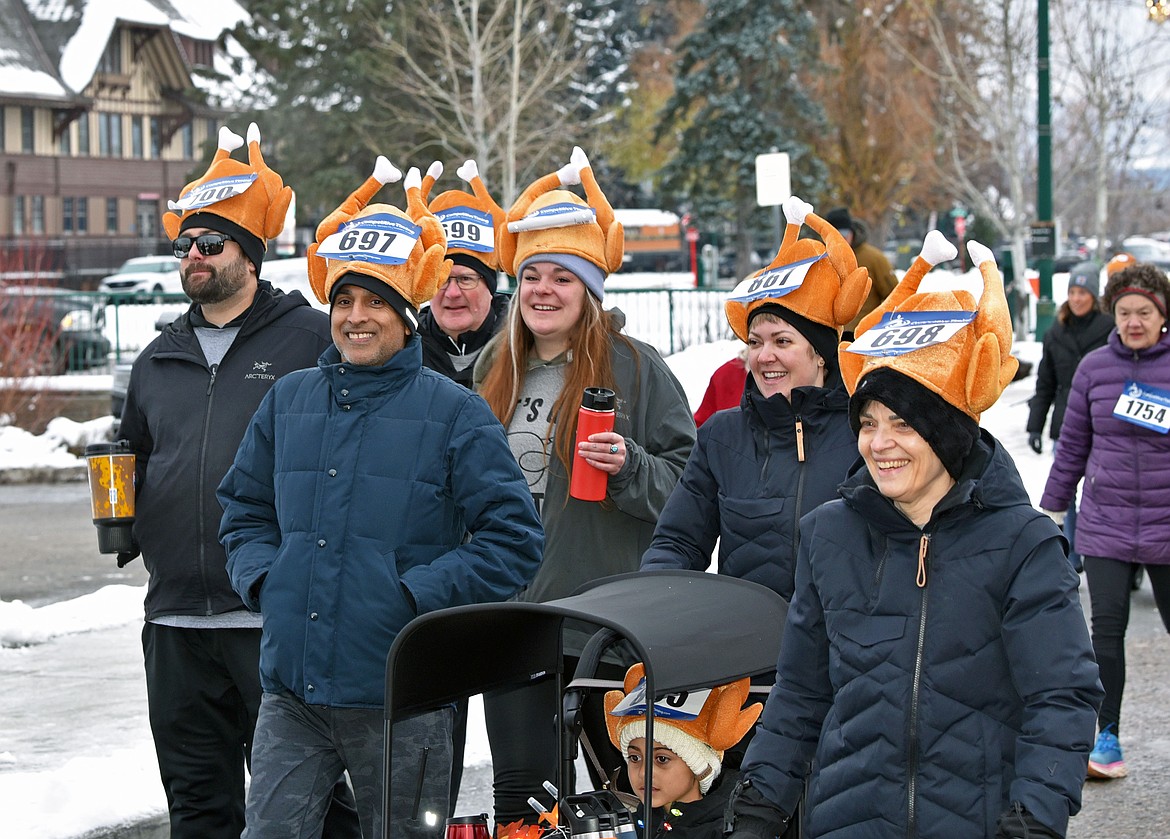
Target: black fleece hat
[374, 285]
[949, 432]
[840, 218]
[824, 339]
[251, 245]
[490, 277]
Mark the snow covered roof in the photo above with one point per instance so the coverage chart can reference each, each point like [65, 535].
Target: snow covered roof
[52, 47]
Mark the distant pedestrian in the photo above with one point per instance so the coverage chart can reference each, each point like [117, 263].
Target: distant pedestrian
[1080, 327]
[1115, 435]
[881, 273]
[725, 388]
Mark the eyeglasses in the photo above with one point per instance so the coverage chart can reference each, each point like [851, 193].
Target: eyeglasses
[209, 244]
[464, 283]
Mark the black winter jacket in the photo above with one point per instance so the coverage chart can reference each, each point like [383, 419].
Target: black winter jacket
[702, 819]
[1065, 344]
[746, 486]
[437, 345]
[925, 711]
[184, 421]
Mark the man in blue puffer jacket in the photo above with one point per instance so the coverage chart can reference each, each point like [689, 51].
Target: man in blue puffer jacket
[365, 492]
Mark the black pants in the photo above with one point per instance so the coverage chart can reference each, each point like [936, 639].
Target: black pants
[203, 694]
[1110, 588]
[523, 731]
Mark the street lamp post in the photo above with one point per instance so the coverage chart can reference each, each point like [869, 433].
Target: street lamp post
[1044, 238]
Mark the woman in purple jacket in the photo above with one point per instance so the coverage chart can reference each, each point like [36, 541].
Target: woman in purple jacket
[1115, 436]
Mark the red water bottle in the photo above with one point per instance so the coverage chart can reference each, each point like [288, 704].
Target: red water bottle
[467, 827]
[596, 414]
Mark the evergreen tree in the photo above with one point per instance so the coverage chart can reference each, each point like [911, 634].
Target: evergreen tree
[739, 93]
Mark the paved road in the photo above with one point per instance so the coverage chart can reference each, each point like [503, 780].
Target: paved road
[52, 555]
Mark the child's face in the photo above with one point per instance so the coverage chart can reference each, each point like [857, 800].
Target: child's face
[673, 779]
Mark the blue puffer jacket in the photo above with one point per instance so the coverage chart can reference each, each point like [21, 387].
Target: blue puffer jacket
[346, 511]
[746, 485]
[928, 710]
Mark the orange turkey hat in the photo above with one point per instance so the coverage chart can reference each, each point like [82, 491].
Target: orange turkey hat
[401, 249]
[950, 344]
[470, 219]
[250, 196]
[818, 281]
[698, 726]
[548, 220]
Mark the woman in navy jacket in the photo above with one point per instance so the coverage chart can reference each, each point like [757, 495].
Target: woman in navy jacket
[935, 671]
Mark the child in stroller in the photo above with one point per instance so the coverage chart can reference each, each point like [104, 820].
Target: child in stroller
[691, 731]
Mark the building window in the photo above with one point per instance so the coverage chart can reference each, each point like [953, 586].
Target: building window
[18, 219]
[81, 214]
[110, 135]
[67, 215]
[135, 137]
[111, 60]
[155, 138]
[75, 215]
[111, 215]
[188, 142]
[38, 214]
[27, 129]
[64, 146]
[83, 134]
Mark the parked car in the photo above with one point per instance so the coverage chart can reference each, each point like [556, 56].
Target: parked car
[291, 274]
[49, 331]
[1144, 249]
[145, 275]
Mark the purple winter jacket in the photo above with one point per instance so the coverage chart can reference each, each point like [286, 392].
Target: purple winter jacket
[1124, 511]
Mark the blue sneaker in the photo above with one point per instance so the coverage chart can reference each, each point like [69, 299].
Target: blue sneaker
[1105, 761]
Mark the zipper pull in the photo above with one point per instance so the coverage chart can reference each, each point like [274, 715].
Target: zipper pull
[923, 545]
[211, 381]
[799, 440]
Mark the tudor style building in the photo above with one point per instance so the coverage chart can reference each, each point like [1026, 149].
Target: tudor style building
[105, 110]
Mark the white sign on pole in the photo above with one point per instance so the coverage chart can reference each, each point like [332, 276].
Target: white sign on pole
[773, 179]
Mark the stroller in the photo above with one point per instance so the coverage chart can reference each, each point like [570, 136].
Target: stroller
[691, 630]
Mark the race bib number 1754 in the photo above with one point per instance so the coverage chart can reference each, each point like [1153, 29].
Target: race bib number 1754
[1143, 405]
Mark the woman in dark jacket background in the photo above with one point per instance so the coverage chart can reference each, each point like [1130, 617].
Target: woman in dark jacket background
[935, 676]
[756, 469]
[1080, 328]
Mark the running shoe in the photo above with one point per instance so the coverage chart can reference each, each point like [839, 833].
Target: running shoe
[1105, 761]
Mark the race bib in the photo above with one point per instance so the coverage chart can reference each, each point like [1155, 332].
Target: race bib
[467, 229]
[383, 237]
[775, 282]
[902, 332]
[212, 192]
[1143, 405]
[564, 214]
[674, 706]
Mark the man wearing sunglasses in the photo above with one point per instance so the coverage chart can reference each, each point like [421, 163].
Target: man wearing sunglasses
[192, 392]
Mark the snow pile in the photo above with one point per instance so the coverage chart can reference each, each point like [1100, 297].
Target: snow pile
[22, 625]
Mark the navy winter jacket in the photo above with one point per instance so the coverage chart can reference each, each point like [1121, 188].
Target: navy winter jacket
[360, 498]
[746, 485]
[926, 711]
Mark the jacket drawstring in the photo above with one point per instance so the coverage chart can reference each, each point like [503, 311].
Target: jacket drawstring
[799, 440]
[923, 545]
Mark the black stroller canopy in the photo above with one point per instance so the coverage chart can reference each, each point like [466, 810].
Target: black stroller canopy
[691, 629]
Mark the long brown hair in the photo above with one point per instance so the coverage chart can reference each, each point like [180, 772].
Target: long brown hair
[590, 365]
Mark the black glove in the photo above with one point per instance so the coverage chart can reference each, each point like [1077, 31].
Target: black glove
[1034, 441]
[751, 816]
[1018, 823]
[126, 557]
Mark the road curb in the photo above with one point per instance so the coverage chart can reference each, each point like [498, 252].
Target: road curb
[155, 827]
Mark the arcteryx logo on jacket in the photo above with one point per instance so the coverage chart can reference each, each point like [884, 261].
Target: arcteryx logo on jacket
[260, 371]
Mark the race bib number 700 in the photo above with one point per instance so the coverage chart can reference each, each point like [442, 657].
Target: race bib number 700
[1143, 405]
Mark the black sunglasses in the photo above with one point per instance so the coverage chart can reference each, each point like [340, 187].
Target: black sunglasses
[209, 244]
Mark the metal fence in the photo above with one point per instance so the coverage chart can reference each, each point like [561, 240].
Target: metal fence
[669, 319]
